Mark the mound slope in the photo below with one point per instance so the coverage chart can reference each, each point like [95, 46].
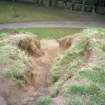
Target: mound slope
[68, 71]
[79, 74]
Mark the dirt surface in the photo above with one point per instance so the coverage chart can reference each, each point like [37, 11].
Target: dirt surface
[38, 73]
[41, 55]
[2, 101]
[10, 94]
[59, 100]
[72, 24]
[80, 52]
[31, 46]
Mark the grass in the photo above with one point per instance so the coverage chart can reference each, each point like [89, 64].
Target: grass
[13, 58]
[45, 32]
[29, 13]
[13, 61]
[95, 76]
[86, 86]
[44, 100]
[68, 60]
[55, 90]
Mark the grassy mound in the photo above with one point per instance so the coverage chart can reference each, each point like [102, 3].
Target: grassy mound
[43, 101]
[79, 74]
[49, 33]
[13, 60]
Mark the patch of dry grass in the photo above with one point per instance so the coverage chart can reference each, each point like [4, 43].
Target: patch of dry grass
[82, 68]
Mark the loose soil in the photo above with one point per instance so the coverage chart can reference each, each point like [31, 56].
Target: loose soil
[41, 55]
[79, 53]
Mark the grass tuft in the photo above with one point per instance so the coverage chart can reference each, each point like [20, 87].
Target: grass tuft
[44, 100]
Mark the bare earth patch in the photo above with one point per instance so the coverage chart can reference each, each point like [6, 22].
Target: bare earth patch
[40, 54]
[72, 66]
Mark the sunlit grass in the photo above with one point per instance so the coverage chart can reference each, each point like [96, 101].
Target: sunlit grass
[44, 32]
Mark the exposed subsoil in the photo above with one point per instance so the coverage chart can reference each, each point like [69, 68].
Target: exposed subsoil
[73, 24]
[41, 55]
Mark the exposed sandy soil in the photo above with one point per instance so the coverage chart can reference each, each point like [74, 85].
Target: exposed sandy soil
[41, 55]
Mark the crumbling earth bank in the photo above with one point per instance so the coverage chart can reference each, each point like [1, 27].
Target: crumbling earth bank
[40, 54]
